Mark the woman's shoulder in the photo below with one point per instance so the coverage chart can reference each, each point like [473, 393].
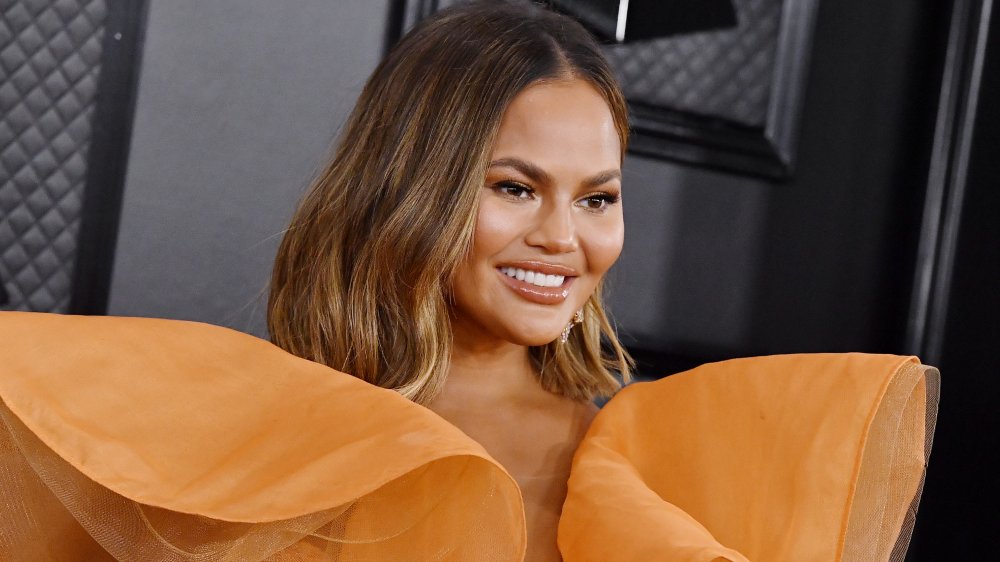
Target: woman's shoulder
[201, 421]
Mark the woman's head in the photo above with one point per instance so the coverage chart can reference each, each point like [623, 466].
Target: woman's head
[365, 276]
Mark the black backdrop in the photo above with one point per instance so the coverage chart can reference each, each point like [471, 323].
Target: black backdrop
[958, 515]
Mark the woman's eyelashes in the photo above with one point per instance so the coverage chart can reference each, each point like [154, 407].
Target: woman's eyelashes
[599, 201]
[514, 190]
[595, 202]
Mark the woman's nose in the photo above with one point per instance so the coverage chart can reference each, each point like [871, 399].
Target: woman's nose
[555, 231]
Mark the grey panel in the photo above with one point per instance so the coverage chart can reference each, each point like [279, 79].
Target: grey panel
[686, 278]
[238, 104]
[723, 73]
[50, 54]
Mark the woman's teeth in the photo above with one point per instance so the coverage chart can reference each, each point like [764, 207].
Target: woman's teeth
[533, 277]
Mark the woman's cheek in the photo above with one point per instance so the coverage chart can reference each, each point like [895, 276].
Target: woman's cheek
[606, 246]
[496, 227]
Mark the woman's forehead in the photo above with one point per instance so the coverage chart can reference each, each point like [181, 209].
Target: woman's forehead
[559, 123]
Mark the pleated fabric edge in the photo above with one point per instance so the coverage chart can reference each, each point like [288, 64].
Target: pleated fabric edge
[758, 458]
[295, 446]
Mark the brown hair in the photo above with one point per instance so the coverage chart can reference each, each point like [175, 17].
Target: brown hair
[362, 275]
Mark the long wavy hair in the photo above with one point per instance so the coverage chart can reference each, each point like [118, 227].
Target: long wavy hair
[362, 276]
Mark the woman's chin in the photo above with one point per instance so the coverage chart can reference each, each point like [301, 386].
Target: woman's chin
[536, 339]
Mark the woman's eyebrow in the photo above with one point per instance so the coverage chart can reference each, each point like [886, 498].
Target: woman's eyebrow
[533, 172]
[602, 178]
[539, 175]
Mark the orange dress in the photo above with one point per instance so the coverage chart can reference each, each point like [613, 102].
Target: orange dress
[143, 439]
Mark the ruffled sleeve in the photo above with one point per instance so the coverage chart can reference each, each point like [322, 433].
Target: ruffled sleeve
[142, 439]
[798, 457]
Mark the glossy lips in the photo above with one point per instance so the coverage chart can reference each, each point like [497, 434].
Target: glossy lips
[538, 282]
[534, 277]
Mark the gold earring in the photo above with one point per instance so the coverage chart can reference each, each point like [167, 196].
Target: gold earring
[577, 319]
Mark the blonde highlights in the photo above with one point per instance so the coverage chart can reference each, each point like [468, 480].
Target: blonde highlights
[361, 278]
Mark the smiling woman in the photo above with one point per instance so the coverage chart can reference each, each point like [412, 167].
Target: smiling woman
[450, 258]
[485, 122]
[550, 211]
[465, 222]
[549, 225]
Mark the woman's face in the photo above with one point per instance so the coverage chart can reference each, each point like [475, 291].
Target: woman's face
[550, 217]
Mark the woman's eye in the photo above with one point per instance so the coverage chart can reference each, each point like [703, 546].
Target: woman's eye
[514, 190]
[598, 201]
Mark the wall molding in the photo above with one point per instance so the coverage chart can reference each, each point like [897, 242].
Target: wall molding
[107, 161]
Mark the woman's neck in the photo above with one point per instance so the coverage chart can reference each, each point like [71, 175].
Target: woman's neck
[493, 394]
[484, 368]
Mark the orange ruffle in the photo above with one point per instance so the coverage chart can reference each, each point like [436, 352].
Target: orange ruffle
[795, 457]
[143, 439]
[173, 418]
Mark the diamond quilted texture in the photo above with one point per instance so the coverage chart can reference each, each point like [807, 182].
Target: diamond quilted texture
[50, 53]
[723, 73]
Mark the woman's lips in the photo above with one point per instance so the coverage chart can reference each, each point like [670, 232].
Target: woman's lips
[535, 293]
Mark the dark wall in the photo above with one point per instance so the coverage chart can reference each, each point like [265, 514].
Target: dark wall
[838, 248]
[958, 517]
[822, 262]
[239, 102]
[717, 265]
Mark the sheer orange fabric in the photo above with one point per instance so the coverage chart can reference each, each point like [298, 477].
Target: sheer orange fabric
[172, 440]
[795, 457]
[141, 439]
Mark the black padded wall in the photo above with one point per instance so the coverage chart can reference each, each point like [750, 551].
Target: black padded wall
[67, 96]
[50, 63]
[724, 73]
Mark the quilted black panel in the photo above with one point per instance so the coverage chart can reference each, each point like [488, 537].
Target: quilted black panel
[723, 73]
[50, 54]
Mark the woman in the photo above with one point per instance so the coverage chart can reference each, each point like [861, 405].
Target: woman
[468, 216]
[450, 258]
